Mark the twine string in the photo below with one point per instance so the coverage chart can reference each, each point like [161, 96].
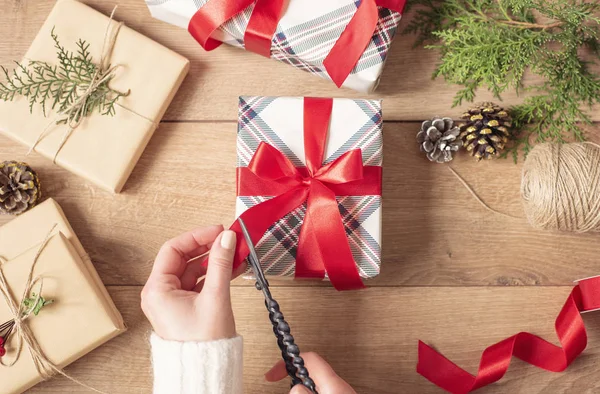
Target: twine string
[476, 196]
[76, 111]
[561, 187]
[20, 314]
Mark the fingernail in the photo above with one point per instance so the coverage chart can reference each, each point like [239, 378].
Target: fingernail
[228, 240]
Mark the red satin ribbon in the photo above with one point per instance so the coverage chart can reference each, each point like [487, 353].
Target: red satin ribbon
[323, 245]
[262, 26]
[348, 49]
[211, 16]
[249, 184]
[528, 347]
[340, 61]
[259, 32]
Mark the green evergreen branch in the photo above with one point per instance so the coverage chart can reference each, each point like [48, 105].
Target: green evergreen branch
[61, 87]
[492, 44]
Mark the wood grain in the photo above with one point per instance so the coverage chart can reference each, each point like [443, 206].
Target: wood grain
[369, 337]
[217, 78]
[454, 274]
[435, 232]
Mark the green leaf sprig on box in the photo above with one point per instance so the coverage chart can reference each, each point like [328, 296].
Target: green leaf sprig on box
[492, 43]
[61, 87]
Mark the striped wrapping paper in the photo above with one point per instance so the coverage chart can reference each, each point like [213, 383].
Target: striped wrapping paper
[305, 34]
[355, 124]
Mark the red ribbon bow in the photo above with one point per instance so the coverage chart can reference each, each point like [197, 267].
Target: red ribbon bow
[528, 347]
[262, 25]
[323, 245]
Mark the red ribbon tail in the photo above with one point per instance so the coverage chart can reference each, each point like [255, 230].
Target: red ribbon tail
[310, 264]
[323, 244]
[348, 49]
[262, 26]
[528, 347]
[261, 217]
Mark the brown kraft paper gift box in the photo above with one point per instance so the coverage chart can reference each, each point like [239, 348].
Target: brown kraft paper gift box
[82, 316]
[103, 149]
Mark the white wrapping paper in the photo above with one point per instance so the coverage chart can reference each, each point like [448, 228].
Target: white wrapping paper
[355, 124]
[305, 34]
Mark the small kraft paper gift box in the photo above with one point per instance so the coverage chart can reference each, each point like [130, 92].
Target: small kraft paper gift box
[41, 245]
[103, 148]
[346, 41]
[309, 187]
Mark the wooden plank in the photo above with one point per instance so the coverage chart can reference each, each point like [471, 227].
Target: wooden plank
[369, 337]
[435, 233]
[216, 79]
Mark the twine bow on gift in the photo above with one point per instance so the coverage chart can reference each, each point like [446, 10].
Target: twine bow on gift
[262, 25]
[73, 114]
[20, 313]
[323, 246]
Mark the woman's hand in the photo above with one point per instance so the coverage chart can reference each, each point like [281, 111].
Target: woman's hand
[178, 305]
[326, 380]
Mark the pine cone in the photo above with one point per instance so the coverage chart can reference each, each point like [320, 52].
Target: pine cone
[486, 130]
[19, 188]
[438, 137]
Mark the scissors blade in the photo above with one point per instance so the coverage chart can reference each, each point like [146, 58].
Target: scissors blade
[253, 257]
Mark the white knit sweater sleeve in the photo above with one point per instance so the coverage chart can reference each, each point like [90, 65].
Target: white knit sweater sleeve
[197, 367]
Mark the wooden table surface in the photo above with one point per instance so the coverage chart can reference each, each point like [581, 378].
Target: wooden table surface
[453, 275]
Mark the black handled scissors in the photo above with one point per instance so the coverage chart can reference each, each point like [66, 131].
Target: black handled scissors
[290, 352]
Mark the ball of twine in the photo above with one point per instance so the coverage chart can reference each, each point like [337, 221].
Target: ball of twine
[561, 187]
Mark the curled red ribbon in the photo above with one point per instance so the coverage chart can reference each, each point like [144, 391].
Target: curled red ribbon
[528, 347]
[340, 61]
[323, 245]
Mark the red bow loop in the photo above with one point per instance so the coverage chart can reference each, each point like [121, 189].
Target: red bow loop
[322, 245]
[270, 164]
[345, 169]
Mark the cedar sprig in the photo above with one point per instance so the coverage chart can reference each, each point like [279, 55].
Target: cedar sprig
[60, 87]
[35, 304]
[493, 43]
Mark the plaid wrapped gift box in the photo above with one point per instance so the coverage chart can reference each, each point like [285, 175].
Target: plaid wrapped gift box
[278, 121]
[305, 35]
